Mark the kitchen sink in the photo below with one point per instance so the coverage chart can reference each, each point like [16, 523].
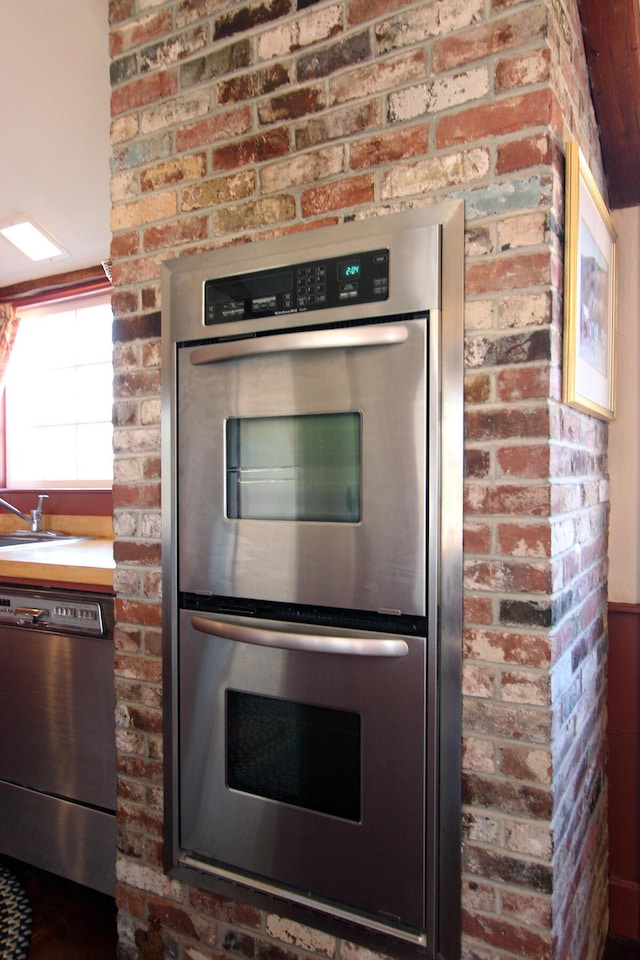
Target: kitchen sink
[23, 537]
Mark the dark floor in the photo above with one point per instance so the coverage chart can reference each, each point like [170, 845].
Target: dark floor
[618, 949]
[71, 922]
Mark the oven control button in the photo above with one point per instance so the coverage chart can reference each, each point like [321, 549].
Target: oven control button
[262, 304]
[348, 291]
[231, 310]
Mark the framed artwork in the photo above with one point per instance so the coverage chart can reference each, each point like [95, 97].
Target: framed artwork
[588, 380]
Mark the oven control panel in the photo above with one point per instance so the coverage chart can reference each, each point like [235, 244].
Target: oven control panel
[313, 285]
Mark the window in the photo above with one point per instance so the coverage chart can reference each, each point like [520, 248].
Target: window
[59, 391]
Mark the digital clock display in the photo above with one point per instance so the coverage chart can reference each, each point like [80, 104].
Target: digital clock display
[349, 270]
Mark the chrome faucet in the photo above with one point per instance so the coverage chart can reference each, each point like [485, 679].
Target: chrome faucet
[35, 520]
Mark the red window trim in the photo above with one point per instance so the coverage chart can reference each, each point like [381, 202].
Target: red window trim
[74, 502]
[73, 284]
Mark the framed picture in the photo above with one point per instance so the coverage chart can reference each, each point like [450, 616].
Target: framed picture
[588, 381]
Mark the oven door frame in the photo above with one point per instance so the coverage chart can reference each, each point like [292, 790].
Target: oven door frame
[182, 304]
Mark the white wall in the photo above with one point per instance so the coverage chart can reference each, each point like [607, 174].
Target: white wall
[624, 432]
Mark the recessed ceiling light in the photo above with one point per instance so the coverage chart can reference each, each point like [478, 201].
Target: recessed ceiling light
[32, 239]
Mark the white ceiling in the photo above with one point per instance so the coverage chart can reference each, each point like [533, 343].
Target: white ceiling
[54, 130]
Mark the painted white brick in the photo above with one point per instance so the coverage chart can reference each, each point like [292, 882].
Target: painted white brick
[305, 938]
[308, 29]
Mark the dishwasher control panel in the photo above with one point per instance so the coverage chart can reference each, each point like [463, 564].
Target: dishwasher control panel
[55, 612]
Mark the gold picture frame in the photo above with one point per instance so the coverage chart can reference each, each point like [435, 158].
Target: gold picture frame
[588, 381]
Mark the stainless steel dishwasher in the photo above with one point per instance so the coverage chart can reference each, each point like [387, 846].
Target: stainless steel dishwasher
[57, 733]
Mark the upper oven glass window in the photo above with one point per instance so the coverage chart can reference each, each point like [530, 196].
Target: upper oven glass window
[305, 467]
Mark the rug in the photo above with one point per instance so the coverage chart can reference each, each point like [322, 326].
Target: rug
[15, 918]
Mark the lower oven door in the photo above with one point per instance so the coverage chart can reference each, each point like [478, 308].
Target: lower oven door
[302, 761]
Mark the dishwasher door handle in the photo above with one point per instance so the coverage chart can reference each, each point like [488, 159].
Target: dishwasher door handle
[302, 642]
[27, 615]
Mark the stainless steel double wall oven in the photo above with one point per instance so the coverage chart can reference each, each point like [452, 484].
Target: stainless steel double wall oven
[312, 473]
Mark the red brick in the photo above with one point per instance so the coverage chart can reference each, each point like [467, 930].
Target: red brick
[495, 119]
[120, 10]
[124, 302]
[524, 539]
[491, 423]
[131, 790]
[378, 77]
[135, 815]
[151, 468]
[126, 272]
[390, 147]
[142, 31]
[523, 69]
[132, 495]
[478, 610]
[150, 298]
[348, 193]
[523, 762]
[522, 154]
[477, 538]
[511, 797]
[248, 86]
[361, 10]
[524, 461]
[511, 499]
[224, 909]
[147, 721]
[488, 39]
[290, 106]
[137, 611]
[506, 576]
[144, 91]
[509, 937]
[211, 129]
[131, 901]
[177, 233]
[507, 646]
[125, 244]
[522, 383]
[140, 768]
[285, 229]
[141, 668]
[508, 272]
[255, 149]
[172, 916]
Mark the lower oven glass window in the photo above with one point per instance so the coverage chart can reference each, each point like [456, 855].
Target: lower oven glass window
[305, 467]
[296, 753]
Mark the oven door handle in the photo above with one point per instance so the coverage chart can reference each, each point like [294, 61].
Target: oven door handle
[303, 642]
[376, 335]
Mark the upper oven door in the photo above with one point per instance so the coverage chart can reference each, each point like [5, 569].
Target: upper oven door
[302, 467]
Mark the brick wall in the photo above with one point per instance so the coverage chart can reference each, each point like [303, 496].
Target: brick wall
[232, 121]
